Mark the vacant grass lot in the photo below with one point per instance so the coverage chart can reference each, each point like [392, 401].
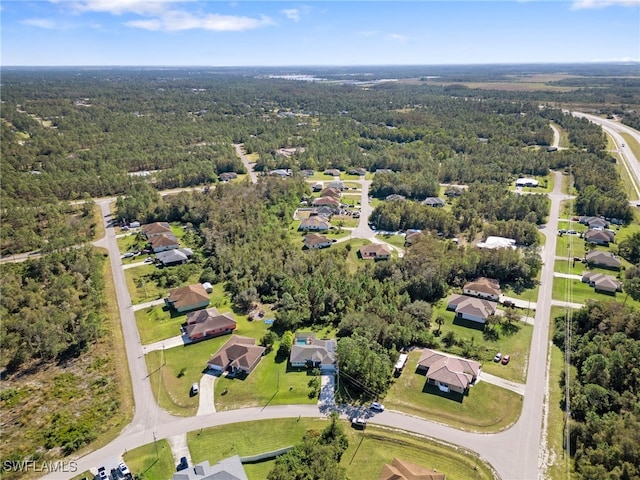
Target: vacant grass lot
[150, 464]
[271, 383]
[395, 240]
[485, 407]
[514, 340]
[579, 292]
[364, 458]
[344, 221]
[529, 294]
[141, 289]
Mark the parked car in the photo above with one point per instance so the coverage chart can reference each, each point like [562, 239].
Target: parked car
[148, 260]
[124, 470]
[183, 465]
[102, 473]
[505, 359]
[128, 255]
[377, 406]
[195, 388]
[498, 357]
[359, 422]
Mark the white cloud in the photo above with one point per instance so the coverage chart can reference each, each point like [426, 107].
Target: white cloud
[582, 4]
[177, 21]
[40, 22]
[396, 37]
[292, 14]
[368, 33]
[118, 7]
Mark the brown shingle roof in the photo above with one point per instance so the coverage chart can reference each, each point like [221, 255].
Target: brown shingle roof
[599, 257]
[186, 296]
[313, 239]
[450, 370]
[484, 285]
[156, 228]
[326, 201]
[202, 321]
[374, 250]
[238, 353]
[163, 240]
[472, 305]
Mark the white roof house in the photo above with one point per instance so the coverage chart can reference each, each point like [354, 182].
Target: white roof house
[493, 243]
[526, 182]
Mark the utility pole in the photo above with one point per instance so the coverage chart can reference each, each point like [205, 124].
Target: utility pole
[155, 443]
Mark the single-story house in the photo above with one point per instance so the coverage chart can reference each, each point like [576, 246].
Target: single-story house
[326, 201]
[308, 351]
[317, 187]
[375, 251]
[493, 243]
[452, 191]
[358, 171]
[384, 170]
[150, 230]
[238, 355]
[471, 308]
[599, 237]
[337, 184]
[602, 282]
[483, 287]
[331, 192]
[594, 222]
[315, 222]
[403, 470]
[412, 237]
[228, 469]
[446, 372]
[395, 196]
[226, 176]
[163, 242]
[599, 258]
[326, 212]
[307, 172]
[184, 299]
[134, 224]
[280, 172]
[208, 323]
[433, 202]
[315, 240]
[526, 182]
[174, 257]
[334, 172]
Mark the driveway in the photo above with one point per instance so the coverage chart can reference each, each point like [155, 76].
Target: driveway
[152, 303]
[518, 388]
[207, 404]
[177, 341]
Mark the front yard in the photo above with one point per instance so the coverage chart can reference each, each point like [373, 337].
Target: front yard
[486, 408]
[151, 461]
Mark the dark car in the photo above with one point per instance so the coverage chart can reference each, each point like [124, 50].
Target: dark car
[183, 465]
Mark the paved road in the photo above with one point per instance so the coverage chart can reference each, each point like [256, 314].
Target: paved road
[245, 161]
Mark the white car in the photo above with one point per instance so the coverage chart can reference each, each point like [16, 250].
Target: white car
[377, 406]
[124, 470]
[497, 357]
[195, 388]
[128, 255]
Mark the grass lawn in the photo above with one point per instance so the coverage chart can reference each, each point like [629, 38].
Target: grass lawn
[571, 246]
[545, 185]
[368, 451]
[626, 231]
[271, 383]
[530, 294]
[395, 240]
[514, 340]
[128, 243]
[580, 292]
[344, 221]
[141, 289]
[148, 464]
[352, 200]
[353, 185]
[485, 408]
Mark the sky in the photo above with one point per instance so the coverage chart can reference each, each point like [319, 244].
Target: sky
[329, 32]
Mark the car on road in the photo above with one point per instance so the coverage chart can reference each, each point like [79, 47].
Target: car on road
[124, 470]
[128, 255]
[183, 465]
[195, 388]
[498, 357]
[377, 406]
[505, 359]
[359, 422]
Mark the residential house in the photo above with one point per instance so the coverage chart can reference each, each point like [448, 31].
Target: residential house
[317, 187]
[152, 229]
[337, 184]
[395, 196]
[433, 202]
[599, 258]
[452, 191]
[375, 251]
[238, 355]
[594, 222]
[358, 171]
[134, 224]
[483, 287]
[412, 237]
[315, 240]
[174, 257]
[184, 299]
[494, 243]
[280, 172]
[599, 237]
[208, 323]
[403, 470]
[446, 372]
[228, 469]
[602, 282]
[307, 173]
[308, 351]
[326, 212]
[226, 176]
[326, 201]
[316, 223]
[334, 172]
[331, 192]
[384, 170]
[471, 308]
[163, 242]
[527, 182]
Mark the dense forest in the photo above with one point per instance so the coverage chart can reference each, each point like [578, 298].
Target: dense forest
[604, 389]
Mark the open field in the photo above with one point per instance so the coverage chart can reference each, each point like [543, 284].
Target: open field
[368, 450]
[485, 408]
[151, 462]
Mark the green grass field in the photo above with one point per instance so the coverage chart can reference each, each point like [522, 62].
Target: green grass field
[485, 408]
[368, 451]
[151, 462]
[579, 292]
[395, 240]
[342, 221]
[141, 289]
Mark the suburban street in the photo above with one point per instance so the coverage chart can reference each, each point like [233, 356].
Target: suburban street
[516, 453]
